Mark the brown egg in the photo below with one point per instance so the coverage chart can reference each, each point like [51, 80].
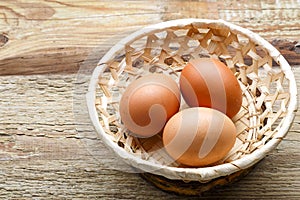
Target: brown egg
[199, 136]
[209, 83]
[148, 103]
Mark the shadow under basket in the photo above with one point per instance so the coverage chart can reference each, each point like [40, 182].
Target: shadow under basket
[194, 188]
[266, 79]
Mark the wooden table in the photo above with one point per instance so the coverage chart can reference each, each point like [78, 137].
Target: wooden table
[48, 49]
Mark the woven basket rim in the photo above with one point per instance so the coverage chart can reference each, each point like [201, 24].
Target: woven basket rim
[203, 173]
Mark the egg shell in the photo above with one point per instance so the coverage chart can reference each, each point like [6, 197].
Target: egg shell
[148, 103]
[199, 136]
[208, 82]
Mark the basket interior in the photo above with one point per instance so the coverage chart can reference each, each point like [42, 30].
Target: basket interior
[264, 86]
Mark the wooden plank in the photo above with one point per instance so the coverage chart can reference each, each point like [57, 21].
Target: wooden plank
[45, 36]
[49, 150]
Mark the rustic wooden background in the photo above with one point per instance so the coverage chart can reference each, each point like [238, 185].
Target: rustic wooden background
[48, 48]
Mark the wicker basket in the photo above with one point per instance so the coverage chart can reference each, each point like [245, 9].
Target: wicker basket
[266, 79]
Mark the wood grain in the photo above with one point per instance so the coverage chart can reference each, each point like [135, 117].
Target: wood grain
[49, 150]
[42, 36]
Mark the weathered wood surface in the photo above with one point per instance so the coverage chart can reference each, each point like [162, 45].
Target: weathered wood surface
[48, 149]
[61, 33]
[45, 130]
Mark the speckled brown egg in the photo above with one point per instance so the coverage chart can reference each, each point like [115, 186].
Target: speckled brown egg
[208, 82]
[148, 103]
[199, 136]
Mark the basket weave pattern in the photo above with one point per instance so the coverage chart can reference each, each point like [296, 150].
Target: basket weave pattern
[265, 88]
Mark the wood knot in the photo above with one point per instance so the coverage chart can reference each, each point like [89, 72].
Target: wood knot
[3, 40]
[297, 47]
